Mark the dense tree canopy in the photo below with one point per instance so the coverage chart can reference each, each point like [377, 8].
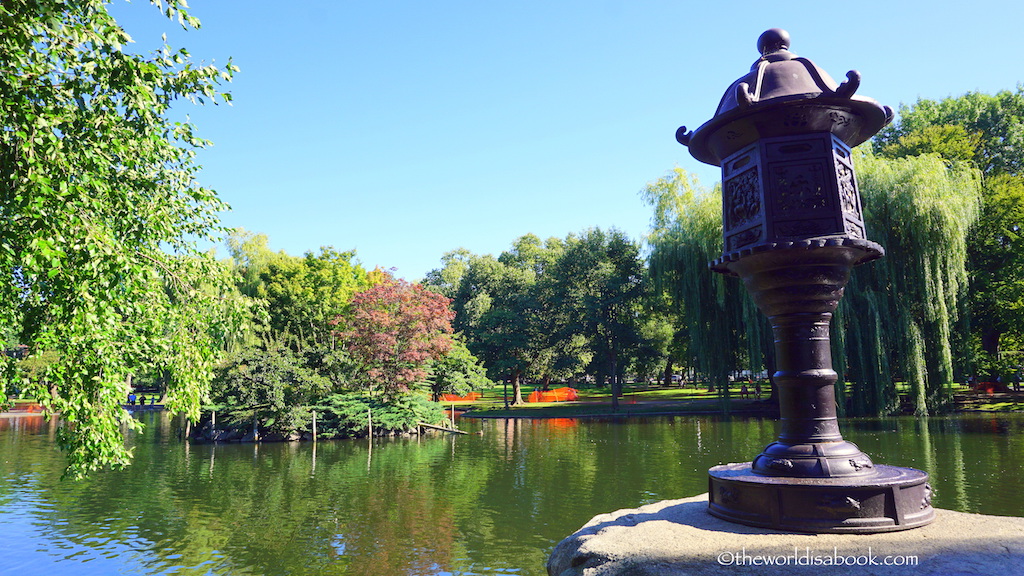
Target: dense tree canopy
[987, 132]
[598, 282]
[983, 128]
[301, 294]
[457, 372]
[552, 310]
[272, 386]
[920, 209]
[101, 211]
[333, 343]
[996, 265]
[719, 318]
[331, 338]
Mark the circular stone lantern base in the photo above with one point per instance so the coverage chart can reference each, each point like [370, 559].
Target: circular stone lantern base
[889, 499]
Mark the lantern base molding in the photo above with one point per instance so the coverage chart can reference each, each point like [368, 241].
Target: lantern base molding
[890, 499]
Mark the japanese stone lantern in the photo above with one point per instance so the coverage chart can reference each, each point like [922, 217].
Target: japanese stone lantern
[793, 230]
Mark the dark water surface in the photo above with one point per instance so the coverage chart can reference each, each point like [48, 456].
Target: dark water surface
[494, 503]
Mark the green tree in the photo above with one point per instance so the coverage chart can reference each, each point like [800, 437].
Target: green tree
[447, 280]
[665, 341]
[551, 351]
[505, 328]
[466, 279]
[985, 131]
[457, 372]
[599, 285]
[301, 295]
[495, 307]
[992, 123]
[952, 142]
[996, 264]
[505, 311]
[686, 234]
[920, 210]
[101, 210]
[552, 309]
[270, 388]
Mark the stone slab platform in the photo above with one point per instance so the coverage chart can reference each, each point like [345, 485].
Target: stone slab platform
[680, 538]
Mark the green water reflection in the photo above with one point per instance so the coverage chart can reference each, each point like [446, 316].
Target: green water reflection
[493, 503]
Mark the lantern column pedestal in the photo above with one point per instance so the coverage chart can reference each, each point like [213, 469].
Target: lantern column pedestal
[810, 479]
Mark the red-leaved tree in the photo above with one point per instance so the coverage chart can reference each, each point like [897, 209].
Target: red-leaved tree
[393, 329]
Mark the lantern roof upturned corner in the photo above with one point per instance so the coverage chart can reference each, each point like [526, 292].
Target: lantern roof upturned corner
[784, 94]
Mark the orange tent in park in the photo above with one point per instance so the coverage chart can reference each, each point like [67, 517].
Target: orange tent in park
[556, 395]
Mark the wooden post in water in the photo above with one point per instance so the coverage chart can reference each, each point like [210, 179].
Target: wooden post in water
[369, 423]
[314, 425]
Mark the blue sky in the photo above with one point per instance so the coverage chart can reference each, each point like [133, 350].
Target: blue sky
[405, 129]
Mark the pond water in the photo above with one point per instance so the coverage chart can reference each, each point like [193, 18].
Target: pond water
[489, 503]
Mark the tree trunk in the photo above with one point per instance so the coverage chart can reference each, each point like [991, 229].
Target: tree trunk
[517, 388]
[769, 366]
[990, 337]
[613, 367]
[164, 382]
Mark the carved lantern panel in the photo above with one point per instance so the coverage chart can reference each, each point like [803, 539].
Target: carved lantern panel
[787, 189]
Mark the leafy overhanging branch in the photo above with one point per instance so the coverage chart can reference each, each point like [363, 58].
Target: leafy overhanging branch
[103, 217]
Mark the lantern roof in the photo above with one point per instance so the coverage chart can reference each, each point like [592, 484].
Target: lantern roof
[784, 94]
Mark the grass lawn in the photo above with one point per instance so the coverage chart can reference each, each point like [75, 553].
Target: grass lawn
[1000, 407]
[576, 409]
[640, 391]
[640, 399]
[636, 399]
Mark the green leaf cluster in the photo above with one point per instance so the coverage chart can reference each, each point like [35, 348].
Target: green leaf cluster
[921, 210]
[299, 356]
[557, 309]
[719, 327]
[267, 386]
[457, 372]
[351, 415]
[298, 296]
[986, 132]
[101, 215]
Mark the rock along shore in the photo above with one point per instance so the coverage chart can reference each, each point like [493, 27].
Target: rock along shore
[680, 538]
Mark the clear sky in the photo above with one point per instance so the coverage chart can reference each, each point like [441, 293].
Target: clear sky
[406, 129]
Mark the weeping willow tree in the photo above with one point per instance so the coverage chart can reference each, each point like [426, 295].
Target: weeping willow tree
[723, 322]
[899, 312]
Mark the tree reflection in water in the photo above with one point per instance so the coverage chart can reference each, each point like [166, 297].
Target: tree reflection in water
[494, 503]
